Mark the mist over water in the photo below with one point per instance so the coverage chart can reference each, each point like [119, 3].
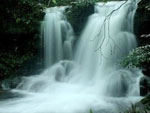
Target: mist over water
[86, 77]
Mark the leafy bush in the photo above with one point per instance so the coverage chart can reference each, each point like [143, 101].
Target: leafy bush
[140, 57]
[20, 16]
[10, 62]
[136, 109]
[141, 107]
[20, 23]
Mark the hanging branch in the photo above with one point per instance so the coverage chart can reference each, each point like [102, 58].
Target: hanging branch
[108, 17]
[107, 20]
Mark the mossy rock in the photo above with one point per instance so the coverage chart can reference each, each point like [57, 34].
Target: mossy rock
[78, 14]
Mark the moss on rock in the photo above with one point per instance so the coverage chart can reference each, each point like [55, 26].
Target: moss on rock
[78, 13]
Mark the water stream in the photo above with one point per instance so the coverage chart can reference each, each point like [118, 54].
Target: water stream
[86, 77]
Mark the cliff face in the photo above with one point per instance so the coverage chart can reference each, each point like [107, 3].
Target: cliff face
[142, 22]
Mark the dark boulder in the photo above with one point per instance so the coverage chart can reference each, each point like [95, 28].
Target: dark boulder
[144, 86]
[146, 72]
[143, 91]
[10, 83]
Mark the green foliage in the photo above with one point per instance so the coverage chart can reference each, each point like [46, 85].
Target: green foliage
[91, 111]
[141, 107]
[10, 62]
[20, 16]
[52, 3]
[146, 101]
[20, 23]
[140, 57]
[144, 8]
[135, 109]
[78, 12]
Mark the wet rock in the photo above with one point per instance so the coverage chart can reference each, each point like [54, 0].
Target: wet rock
[15, 82]
[146, 72]
[3, 91]
[10, 83]
[143, 91]
[144, 86]
[144, 81]
[7, 94]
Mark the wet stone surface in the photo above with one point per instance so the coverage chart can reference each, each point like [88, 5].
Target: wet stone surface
[7, 94]
[144, 86]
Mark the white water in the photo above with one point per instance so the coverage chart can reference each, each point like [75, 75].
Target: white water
[58, 36]
[90, 78]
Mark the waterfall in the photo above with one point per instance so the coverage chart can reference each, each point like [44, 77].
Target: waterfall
[86, 77]
[58, 36]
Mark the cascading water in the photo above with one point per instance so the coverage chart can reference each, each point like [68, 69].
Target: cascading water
[58, 36]
[91, 77]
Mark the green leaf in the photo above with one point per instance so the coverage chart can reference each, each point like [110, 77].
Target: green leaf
[104, 0]
[18, 20]
[54, 1]
[91, 111]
